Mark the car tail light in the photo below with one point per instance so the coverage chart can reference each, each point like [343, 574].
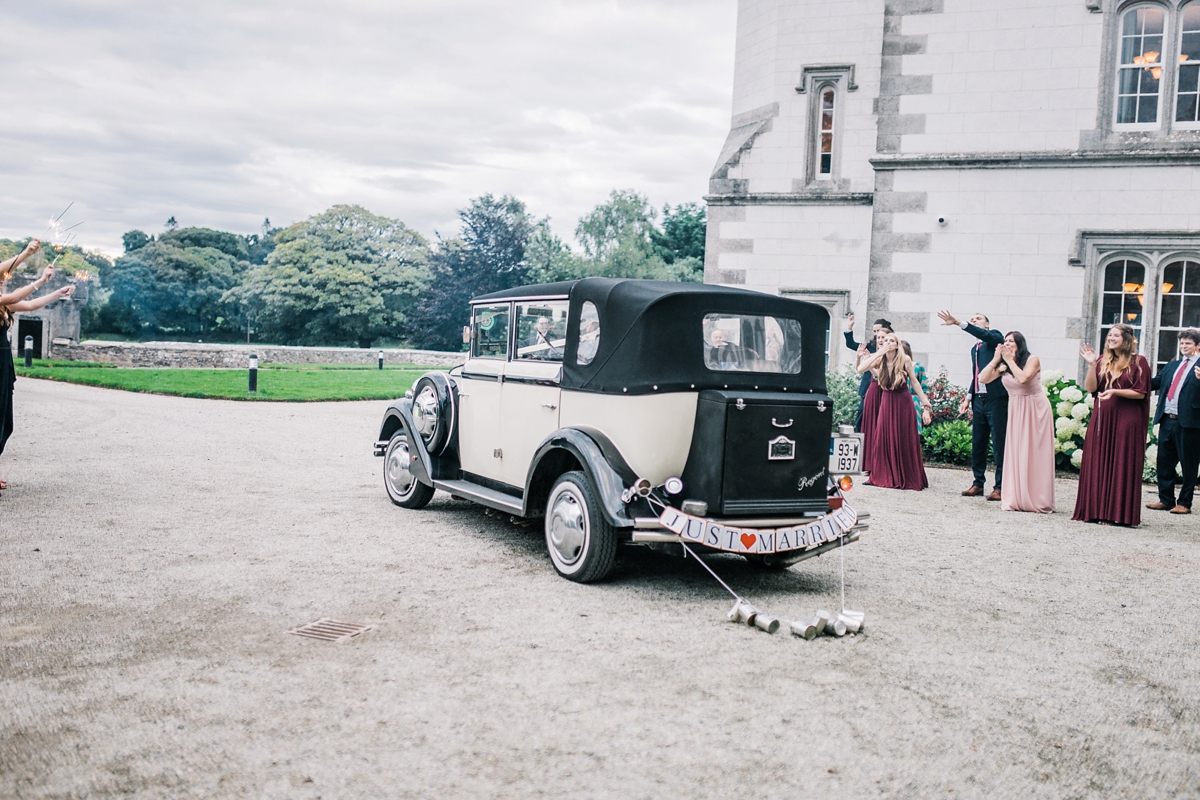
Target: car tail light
[846, 483]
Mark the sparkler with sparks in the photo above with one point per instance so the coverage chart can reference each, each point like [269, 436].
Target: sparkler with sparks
[57, 236]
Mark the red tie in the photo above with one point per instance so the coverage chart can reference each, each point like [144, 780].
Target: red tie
[1178, 378]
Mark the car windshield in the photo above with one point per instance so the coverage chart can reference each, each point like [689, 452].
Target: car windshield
[747, 343]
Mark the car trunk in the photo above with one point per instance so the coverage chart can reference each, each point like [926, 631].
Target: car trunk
[759, 453]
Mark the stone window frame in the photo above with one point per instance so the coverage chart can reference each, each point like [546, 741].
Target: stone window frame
[1166, 75]
[837, 303]
[1155, 250]
[814, 80]
[1166, 132]
[1176, 52]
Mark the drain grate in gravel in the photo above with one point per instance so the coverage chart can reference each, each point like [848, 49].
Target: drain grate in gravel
[330, 630]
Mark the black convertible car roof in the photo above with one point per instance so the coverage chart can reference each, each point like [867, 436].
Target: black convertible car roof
[652, 339]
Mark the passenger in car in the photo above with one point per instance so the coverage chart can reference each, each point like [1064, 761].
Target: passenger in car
[540, 339]
[720, 354]
[589, 342]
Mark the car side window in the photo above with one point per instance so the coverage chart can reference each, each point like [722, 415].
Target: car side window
[541, 331]
[490, 332]
[589, 334]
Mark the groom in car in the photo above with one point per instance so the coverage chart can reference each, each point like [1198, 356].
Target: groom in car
[988, 403]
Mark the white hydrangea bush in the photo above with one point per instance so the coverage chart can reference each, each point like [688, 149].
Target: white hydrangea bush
[1072, 411]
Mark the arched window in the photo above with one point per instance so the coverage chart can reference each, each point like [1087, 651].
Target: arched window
[1140, 68]
[1187, 107]
[1124, 296]
[825, 134]
[1179, 306]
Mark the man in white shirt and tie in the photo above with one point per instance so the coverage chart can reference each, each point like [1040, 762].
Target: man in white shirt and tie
[1178, 418]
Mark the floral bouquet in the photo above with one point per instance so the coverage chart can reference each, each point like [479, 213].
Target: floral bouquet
[1072, 412]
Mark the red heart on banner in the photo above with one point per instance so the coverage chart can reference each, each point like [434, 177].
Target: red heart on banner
[748, 540]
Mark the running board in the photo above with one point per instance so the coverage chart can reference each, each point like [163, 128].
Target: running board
[482, 495]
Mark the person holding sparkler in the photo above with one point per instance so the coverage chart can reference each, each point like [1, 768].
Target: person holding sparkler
[10, 303]
[9, 265]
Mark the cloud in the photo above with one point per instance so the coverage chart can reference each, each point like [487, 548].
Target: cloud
[223, 113]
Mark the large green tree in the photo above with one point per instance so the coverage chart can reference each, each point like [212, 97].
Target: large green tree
[345, 277]
[620, 239]
[488, 255]
[172, 286]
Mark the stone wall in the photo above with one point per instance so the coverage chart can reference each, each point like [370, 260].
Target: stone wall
[236, 356]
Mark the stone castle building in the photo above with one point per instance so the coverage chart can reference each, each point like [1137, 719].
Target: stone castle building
[1036, 161]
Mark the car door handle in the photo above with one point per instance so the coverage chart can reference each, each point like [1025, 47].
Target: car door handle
[779, 424]
[462, 395]
[550, 406]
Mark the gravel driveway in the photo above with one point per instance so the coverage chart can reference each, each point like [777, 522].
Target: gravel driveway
[155, 550]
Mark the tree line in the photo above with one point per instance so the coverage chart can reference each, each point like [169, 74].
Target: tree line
[347, 277]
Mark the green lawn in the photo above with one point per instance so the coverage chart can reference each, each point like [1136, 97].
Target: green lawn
[275, 381]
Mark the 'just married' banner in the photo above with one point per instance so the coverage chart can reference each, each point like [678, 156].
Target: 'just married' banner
[759, 540]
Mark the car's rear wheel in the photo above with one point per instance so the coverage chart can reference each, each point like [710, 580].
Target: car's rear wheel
[402, 486]
[582, 544]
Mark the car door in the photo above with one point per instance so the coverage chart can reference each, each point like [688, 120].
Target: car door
[479, 392]
[531, 394]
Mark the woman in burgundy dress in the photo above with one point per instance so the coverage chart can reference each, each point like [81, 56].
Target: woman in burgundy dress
[870, 407]
[1114, 450]
[895, 448]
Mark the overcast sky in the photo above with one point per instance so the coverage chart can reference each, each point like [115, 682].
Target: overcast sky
[223, 113]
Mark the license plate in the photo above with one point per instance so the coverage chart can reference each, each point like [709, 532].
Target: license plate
[845, 454]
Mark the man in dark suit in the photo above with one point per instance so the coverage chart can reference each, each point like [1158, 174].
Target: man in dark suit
[864, 383]
[1178, 419]
[988, 403]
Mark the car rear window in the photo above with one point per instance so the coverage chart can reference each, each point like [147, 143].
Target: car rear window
[748, 343]
[589, 334]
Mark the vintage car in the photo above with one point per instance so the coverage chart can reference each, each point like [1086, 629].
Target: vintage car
[641, 412]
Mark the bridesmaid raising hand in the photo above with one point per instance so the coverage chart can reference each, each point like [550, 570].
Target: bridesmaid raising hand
[1114, 450]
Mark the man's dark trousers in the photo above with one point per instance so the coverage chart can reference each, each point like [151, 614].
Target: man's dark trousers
[989, 420]
[1177, 444]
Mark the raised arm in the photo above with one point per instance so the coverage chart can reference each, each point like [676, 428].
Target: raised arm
[849, 333]
[1090, 381]
[988, 335]
[868, 361]
[39, 302]
[8, 265]
[28, 289]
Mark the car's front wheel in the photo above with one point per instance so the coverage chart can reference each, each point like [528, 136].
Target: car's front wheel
[582, 544]
[402, 486]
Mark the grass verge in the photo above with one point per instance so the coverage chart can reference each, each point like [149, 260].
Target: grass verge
[283, 382]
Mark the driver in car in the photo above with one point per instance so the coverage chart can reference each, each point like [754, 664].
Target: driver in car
[540, 339]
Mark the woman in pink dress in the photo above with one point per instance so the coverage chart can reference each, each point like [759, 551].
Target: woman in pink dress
[895, 448]
[870, 408]
[1114, 450]
[1029, 442]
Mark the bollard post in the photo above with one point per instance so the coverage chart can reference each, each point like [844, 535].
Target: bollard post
[28, 351]
[254, 372]
[381, 359]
